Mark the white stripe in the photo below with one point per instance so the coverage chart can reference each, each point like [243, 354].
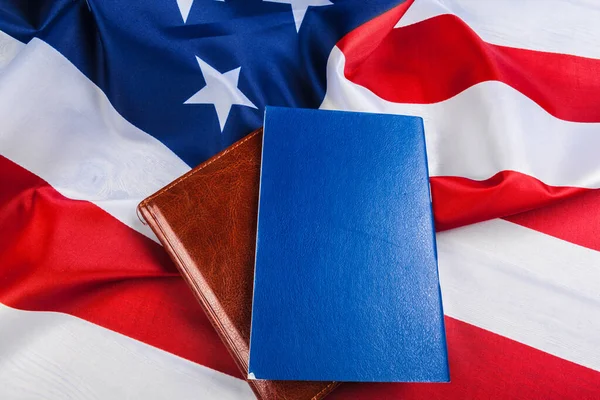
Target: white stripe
[485, 129]
[524, 285]
[557, 26]
[54, 356]
[57, 124]
[9, 48]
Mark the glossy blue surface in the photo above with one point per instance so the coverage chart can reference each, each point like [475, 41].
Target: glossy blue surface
[346, 282]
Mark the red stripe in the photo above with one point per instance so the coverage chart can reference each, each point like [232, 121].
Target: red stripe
[484, 365]
[461, 201]
[438, 58]
[69, 256]
[576, 220]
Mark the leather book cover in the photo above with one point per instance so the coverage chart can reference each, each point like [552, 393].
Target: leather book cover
[346, 257]
[206, 220]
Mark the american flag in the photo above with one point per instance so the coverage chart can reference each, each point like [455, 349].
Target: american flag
[102, 103]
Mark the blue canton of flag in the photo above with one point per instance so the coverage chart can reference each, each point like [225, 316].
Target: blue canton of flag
[197, 74]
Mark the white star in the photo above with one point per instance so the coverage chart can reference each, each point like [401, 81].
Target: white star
[184, 8]
[299, 8]
[221, 91]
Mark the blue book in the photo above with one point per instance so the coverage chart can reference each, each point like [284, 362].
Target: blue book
[346, 283]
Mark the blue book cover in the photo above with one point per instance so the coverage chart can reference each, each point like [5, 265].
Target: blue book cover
[346, 282]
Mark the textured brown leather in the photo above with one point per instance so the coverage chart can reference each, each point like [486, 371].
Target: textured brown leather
[206, 220]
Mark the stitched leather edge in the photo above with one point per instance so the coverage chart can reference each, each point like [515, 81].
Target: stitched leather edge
[200, 297]
[326, 390]
[199, 168]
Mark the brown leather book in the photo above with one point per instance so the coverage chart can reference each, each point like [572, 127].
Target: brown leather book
[206, 220]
